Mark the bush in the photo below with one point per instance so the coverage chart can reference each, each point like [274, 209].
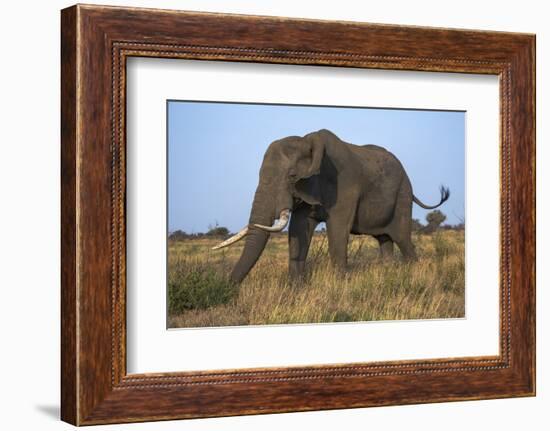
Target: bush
[218, 231]
[342, 316]
[178, 235]
[197, 287]
[434, 219]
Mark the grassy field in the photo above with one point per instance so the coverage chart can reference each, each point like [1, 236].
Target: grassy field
[199, 293]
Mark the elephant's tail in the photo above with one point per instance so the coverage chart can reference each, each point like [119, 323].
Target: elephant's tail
[445, 193]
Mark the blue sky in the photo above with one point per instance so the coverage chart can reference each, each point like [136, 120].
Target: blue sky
[215, 151]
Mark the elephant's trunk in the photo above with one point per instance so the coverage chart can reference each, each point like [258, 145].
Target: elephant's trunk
[254, 246]
[263, 210]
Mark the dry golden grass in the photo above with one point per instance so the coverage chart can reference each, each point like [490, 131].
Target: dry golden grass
[370, 289]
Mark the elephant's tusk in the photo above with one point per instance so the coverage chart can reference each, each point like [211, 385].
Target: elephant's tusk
[280, 225]
[238, 236]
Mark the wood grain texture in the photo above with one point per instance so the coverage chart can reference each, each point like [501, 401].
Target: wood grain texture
[69, 366]
[96, 41]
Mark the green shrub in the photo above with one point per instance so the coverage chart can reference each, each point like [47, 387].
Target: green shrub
[197, 287]
[342, 316]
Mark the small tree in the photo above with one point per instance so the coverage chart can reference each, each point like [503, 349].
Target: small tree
[461, 222]
[178, 235]
[218, 231]
[434, 219]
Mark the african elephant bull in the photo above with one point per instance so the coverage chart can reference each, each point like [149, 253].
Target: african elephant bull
[317, 178]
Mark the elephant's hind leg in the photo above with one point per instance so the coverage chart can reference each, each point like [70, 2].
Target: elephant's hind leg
[402, 235]
[386, 246]
[401, 226]
[407, 250]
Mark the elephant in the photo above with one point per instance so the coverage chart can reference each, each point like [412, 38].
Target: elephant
[361, 190]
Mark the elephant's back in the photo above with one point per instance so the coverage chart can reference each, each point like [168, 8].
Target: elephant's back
[372, 147]
[374, 154]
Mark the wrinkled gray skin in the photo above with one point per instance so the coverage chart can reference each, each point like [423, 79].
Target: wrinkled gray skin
[354, 189]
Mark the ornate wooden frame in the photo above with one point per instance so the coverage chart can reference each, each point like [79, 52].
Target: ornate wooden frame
[95, 43]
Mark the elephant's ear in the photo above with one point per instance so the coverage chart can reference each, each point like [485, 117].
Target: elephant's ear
[308, 186]
[309, 190]
[317, 141]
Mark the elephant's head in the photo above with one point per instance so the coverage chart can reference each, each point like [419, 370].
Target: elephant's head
[288, 175]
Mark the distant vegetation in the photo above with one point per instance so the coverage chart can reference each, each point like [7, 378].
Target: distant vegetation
[213, 232]
[200, 293]
[434, 222]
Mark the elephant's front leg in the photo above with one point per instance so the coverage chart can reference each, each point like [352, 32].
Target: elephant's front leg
[338, 231]
[300, 233]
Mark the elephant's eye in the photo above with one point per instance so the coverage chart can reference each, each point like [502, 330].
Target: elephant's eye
[292, 177]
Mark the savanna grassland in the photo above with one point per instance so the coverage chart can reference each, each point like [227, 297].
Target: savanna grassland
[200, 294]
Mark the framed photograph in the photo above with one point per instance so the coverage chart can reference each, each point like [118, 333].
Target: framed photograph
[264, 214]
